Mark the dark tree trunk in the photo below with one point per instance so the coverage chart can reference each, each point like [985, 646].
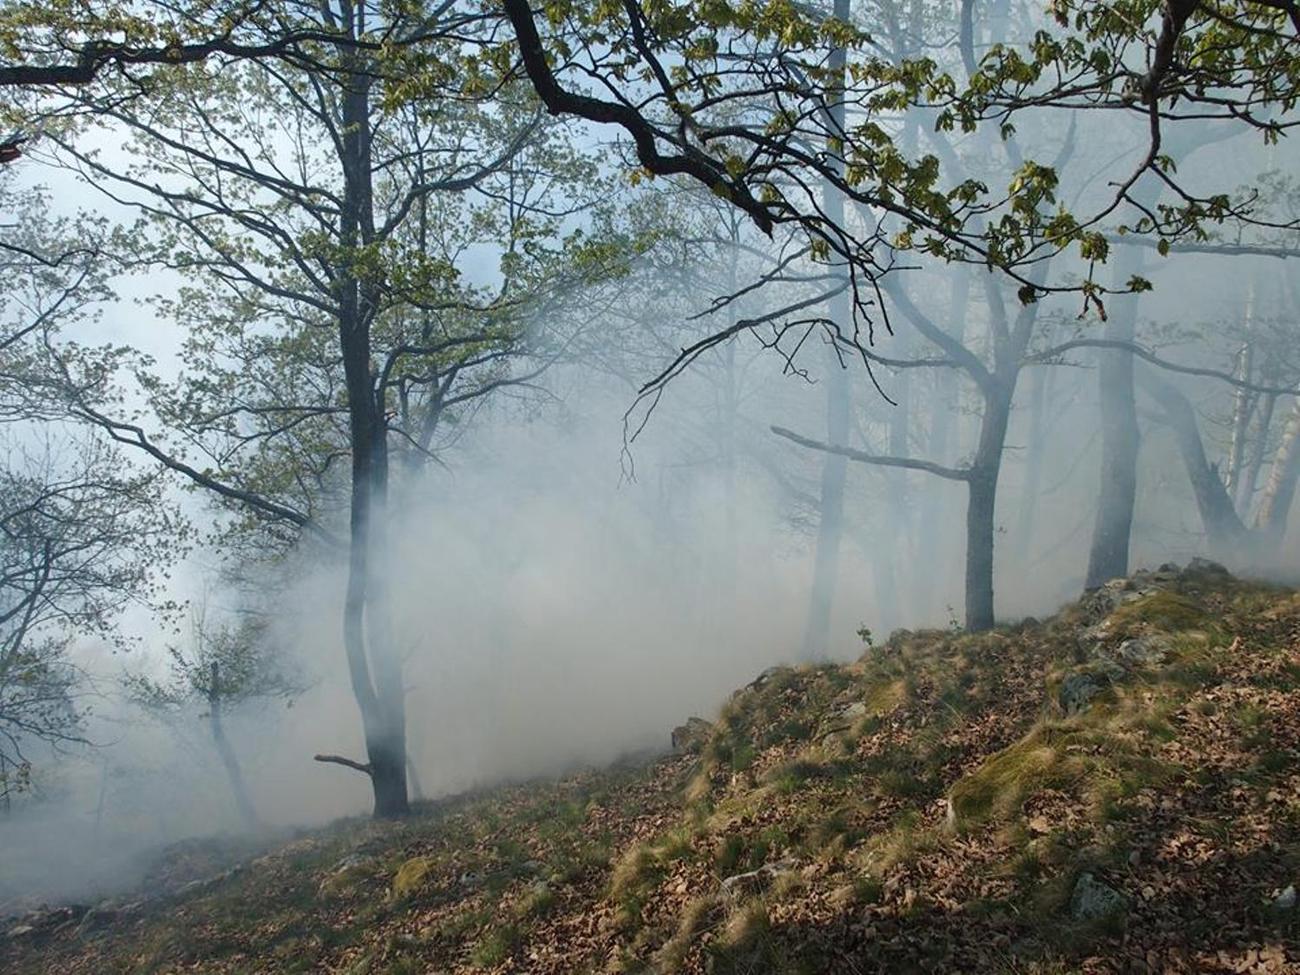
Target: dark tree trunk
[1035, 447]
[373, 664]
[982, 487]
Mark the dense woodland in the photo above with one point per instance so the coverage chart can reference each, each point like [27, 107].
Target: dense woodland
[334, 333]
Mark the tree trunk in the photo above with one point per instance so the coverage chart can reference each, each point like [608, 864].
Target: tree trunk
[727, 430]
[1243, 408]
[982, 487]
[373, 664]
[233, 772]
[1117, 497]
[1250, 477]
[830, 524]
[1035, 447]
[1279, 492]
[1223, 529]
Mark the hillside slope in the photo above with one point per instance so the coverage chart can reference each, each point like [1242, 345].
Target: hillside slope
[1115, 789]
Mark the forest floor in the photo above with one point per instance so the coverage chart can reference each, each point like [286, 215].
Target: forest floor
[1115, 789]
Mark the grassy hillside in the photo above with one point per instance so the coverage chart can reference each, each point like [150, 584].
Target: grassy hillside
[1116, 789]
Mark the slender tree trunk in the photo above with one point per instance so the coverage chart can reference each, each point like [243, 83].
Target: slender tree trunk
[727, 430]
[1035, 447]
[228, 759]
[899, 536]
[373, 664]
[1223, 529]
[982, 487]
[1250, 477]
[1113, 529]
[1279, 491]
[1243, 408]
[830, 525]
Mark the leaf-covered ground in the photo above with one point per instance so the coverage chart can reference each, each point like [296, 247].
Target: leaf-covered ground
[1116, 789]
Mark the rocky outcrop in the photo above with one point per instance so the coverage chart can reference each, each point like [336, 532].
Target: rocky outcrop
[691, 737]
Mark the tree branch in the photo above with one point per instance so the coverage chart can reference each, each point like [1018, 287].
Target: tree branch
[878, 460]
[1142, 352]
[340, 760]
[558, 101]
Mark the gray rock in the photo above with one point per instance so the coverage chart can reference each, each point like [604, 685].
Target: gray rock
[842, 718]
[849, 712]
[1286, 900]
[44, 921]
[352, 861]
[754, 882]
[691, 737]
[471, 880]
[1092, 900]
[1078, 689]
[767, 675]
[1099, 603]
[100, 917]
[1207, 567]
[1143, 650]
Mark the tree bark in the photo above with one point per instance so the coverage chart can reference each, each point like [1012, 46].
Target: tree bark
[1117, 495]
[1243, 408]
[1223, 529]
[373, 666]
[1035, 447]
[1279, 491]
[1250, 477]
[981, 505]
